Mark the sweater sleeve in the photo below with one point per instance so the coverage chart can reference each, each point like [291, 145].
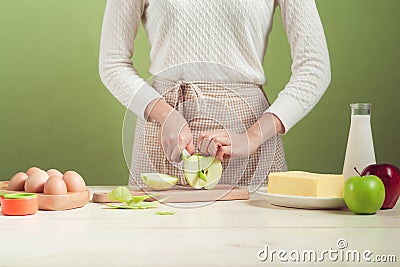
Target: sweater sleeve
[121, 22]
[311, 72]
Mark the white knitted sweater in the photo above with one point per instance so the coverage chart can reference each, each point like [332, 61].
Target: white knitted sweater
[233, 33]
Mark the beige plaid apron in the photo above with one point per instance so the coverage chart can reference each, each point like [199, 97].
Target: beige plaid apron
[209, 106]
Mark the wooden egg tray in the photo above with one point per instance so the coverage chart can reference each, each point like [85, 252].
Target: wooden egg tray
[69, 201]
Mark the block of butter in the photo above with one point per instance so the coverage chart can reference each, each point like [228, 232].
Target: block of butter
[299, 183]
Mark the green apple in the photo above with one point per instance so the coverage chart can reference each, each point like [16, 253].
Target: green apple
[364, 194]
[202, 172]
[159, 181]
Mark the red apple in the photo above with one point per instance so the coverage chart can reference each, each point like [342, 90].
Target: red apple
[390, 176]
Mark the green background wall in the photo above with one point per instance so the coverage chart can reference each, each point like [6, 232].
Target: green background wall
[55, 112]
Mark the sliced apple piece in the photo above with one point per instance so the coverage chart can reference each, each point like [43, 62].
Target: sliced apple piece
[213, 174]
[202, 172]
[191, 166]
[159, 181]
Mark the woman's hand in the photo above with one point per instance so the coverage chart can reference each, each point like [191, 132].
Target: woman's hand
[223, 144]
[175, 134]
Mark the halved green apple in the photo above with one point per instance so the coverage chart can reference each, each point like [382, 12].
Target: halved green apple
[159, 181]
[202, 172]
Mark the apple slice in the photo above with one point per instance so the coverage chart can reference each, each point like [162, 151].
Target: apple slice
[159, 181]
[213, 174]
[202, 172]
[191, 166]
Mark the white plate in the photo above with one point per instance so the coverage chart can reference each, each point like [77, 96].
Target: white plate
[302, 202]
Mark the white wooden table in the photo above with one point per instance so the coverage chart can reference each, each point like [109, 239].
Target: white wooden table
[222, 234]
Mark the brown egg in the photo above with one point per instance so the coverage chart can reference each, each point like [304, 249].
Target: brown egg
[55, 186]
[17, 182]
[35, 182]
[54, 172]
[74, 182]
[31, 170]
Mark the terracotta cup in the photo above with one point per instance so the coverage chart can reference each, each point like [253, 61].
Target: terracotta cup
[19, 204]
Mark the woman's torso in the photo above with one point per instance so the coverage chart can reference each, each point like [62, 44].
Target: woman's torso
[231, 33]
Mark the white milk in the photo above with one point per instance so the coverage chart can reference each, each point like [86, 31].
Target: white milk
[360, 146]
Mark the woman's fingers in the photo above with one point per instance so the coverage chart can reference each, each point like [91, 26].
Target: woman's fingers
[209, 142]
[204, 135]
[208, 147]
[212, 148]
[190, 147]
[222, 140]
[220, 136]
[224, 152]
[203, 146]
[176, 154]
[217, 144]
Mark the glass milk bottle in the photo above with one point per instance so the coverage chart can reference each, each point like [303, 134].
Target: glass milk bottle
[360, 146]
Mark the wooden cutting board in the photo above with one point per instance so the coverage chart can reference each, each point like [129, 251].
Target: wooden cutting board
[69, 201]
[185, 194]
